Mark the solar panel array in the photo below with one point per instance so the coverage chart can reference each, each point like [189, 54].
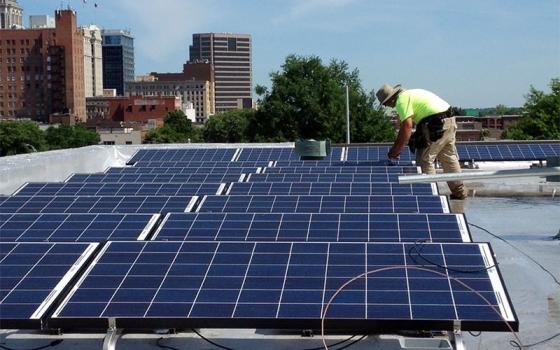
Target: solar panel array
[245, 237]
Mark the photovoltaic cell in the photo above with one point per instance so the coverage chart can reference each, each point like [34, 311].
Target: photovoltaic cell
[33, 276]
[324, 204]
[313, 227]
[188, 171]
[286, 285]
[267, 154]
[342, 170]
[118, 189]
[96, 204]
[198, 164]
[467, 152]
[380, 178]
[154, 178]
[188, 154]
[334, 188]
[75, 227]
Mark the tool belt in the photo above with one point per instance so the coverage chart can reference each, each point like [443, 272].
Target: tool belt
[434, 124]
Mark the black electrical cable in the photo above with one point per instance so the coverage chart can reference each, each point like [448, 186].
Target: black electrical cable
[163, 346]
[418, 252]
[520, 251]
[475, 334]
[53, 343]
[516, 345]
[210, 341]
[316, 348]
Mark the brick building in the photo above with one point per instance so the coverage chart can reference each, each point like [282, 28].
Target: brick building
[112, 111]
[194, 85]
[42, 71]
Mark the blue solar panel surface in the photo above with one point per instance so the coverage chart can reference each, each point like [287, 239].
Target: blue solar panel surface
[154, 178]
[324, 204]
[178, 283]
[74, 227]
[313, 227]
[467, 152]
[118, 189]
[267, 154]
[324, 178]
[33, 274]
[95, 204]
[381, 178]
[202, 171]
[326, 188]
[199, 164]
[194, 154]
[342, 170]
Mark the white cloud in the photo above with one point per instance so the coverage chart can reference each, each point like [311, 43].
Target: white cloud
[163, 29]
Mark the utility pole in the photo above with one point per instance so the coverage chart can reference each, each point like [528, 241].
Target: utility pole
[347, 115]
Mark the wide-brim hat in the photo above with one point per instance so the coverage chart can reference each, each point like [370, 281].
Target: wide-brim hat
[386, 92]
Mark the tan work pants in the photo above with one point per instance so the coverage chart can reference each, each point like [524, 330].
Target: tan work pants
[445, 151]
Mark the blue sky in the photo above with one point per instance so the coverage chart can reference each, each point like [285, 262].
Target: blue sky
[476, 53]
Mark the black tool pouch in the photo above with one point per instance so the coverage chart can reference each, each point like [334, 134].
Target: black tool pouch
[417, 140]
[435, 128]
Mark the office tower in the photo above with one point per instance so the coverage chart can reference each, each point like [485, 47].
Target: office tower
[230, 54]
[118, 59]
[41, 71]
[11, 14]
[93, 61]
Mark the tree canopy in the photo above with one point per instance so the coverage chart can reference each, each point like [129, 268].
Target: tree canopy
[307, 100]
[541, 116]
[25, 137]
[230, 126]
[20, 137]
[177, 128]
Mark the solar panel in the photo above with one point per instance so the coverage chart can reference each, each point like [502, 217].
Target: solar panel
[324, 204]
[380, 178]
[329, 178]
[476, 152]
[118, 189]
[185, 154]
[75, 227]
[155, 178]
[286, 285]
[98, 204]
[267, 154]
[198, 164]
[342, 170]
[172, 171]
[333, 188]
[33, 276]
[337, 163]
[313, 227]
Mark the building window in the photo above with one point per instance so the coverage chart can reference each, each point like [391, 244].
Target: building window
[108, 142]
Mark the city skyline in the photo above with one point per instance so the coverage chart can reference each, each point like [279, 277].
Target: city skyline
[475, 54]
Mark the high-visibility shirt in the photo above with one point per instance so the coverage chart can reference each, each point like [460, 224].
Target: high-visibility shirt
[418, 104]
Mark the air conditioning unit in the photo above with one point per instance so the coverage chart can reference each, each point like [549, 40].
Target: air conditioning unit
[312, 149]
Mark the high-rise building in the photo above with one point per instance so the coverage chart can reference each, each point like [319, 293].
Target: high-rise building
[41, 21]
[93, 61]
[118, 59]
[11, 14]
[230, 54]
[42, 71]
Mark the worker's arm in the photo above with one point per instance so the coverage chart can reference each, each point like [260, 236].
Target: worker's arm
[402, 139]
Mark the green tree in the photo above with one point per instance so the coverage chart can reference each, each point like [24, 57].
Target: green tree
[541, 116]
[65, 136]
[231, 126]
[307, 100]
[501, 110]
[20, 137]
[177, 128]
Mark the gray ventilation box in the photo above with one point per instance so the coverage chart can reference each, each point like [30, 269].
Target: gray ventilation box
[312, 149]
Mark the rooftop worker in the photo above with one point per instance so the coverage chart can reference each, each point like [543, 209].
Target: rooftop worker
[434, 137]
